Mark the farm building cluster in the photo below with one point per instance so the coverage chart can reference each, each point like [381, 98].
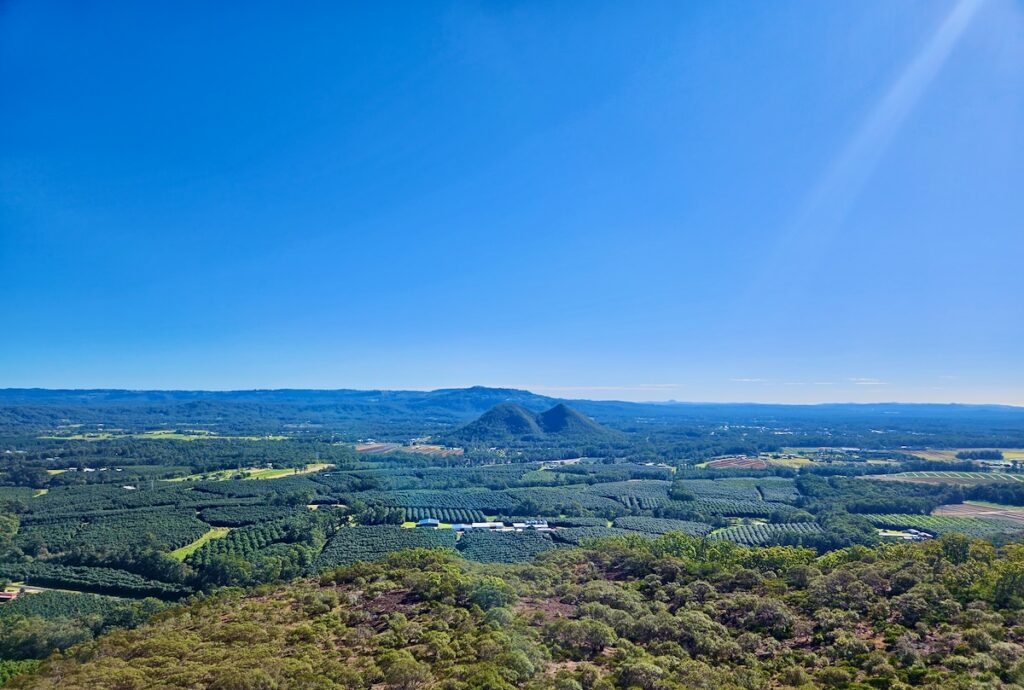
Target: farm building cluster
[496, 526]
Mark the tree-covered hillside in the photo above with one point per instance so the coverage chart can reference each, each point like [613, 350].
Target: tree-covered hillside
[666, 614]
[512, 423]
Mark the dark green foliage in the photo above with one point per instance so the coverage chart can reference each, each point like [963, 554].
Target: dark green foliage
[450, 515]
[54, 604]
[761, 534]
[781, 490]
[614, 472]
[161, 528]
[980, 455]
[88, 579]
[509, 423]
[353, 544]
[579, 535]
[289, 489]
[242, 542]
[572, 501]
[9, 494]
[728, 489]
[465, 499]
[671, 613]
[864, 496]
[651, 525]
[239, 516]
[1007, 493]
[942, 524]
[503, 547]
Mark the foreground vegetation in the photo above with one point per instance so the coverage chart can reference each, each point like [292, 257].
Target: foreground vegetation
[664, 614]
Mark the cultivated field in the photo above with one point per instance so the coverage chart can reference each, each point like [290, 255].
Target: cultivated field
[962, 478]
[254, 473]
[949, 455]
[420, 449]
[738, 462]
[185, 551]
[979, 509]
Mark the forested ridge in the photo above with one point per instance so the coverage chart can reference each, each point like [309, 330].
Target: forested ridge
[666, 614]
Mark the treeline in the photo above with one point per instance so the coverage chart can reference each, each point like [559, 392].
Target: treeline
[980, 455]
[143, 459]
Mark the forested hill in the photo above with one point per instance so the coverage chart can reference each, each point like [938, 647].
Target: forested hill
[509, 422]
[671, 613]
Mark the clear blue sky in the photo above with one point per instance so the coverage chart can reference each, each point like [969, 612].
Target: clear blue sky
[781, 201]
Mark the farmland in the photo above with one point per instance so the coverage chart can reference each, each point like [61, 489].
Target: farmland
[741, 462]
[504, 547]
[941, 477]
[760, 534]
[945, 524]
[982, 510]
[432, 450]
[254, 473]
[949, 455]
[353, 544]
[145, 518]
[187, 550]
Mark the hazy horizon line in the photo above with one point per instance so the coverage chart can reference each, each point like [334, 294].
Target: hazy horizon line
[532, 390]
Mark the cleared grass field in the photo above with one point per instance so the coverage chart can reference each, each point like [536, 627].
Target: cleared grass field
[277, 473]
[254, 473]
[187, 550]
[200, 434]
[159, 434]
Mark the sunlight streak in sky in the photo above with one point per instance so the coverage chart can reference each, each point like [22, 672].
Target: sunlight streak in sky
[829, 203]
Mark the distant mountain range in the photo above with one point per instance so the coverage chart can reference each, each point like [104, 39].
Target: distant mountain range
[513, 422]
[411, 413]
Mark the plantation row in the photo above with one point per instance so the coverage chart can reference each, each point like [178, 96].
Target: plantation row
[504, 547]
[243, 542]
[54, 604]
[452, 515]
[765, 534]
[645, 489]
[728, 489]
[466, 499]
[96, 580]
[166, 529]
[937, 525]
[558, 521]
[745, 508]
[562, 500]
[616, 473]
[782, 490]
[577, 535]
[651, 525]
[78, 500]
[635, 503]
[353, 544]
[239, 516]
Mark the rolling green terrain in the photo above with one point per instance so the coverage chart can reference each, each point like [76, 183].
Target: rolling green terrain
[99, 530]
[667, 614]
